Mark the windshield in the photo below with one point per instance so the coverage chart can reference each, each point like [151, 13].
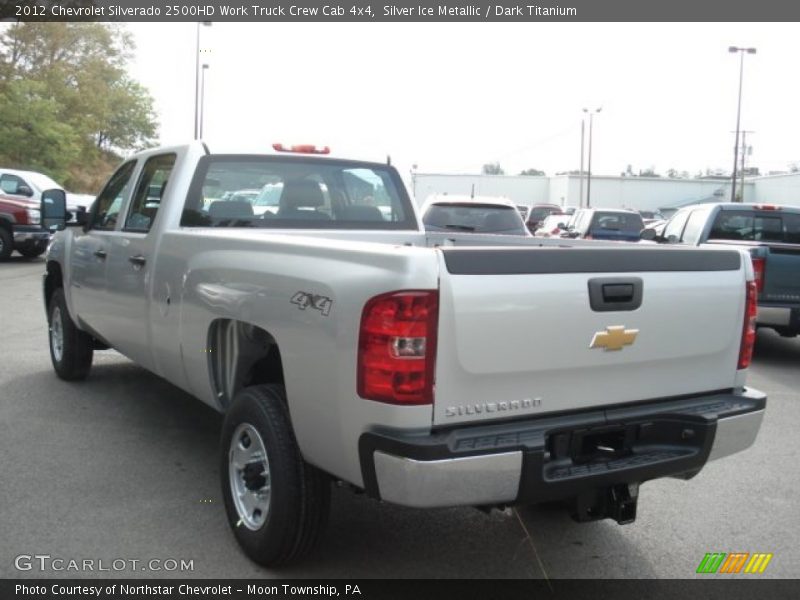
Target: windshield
[472, 217]
[296, 193]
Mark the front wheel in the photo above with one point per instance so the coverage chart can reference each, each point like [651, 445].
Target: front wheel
[276, 503]
[71, 350]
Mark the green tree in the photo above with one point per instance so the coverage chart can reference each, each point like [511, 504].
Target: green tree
[534, 172]
[80, 70]
[32, 136]
[492, 169]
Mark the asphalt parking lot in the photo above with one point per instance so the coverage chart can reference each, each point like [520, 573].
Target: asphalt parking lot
[125, 465]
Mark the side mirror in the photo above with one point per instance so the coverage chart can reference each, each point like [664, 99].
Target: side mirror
[54, 209]
[24, 190]
[562, 226]
[648, 234]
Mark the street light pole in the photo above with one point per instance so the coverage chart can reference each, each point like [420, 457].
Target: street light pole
[580, 175]
[741, 51]
[197, 76]
[202, 97]
[591, 113]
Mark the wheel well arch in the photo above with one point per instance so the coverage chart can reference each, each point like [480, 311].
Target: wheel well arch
[6, 224]
[241, 355]
[52, 281]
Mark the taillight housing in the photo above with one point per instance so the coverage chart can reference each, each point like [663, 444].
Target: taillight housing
[397, 347]
[749, 327]
[758, 270]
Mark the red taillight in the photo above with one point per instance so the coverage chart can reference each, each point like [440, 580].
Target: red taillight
[758, 270]
[766, 207]
[555, 230]
[397, 347]
[749, 328]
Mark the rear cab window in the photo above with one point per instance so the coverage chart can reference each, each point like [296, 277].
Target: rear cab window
[276, 192]
[756, 226]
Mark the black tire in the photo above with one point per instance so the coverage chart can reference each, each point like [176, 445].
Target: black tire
[74, 360]
[299, 494]
[32, 251]
[6, 243]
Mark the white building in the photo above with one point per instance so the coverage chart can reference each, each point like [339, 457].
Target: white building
[642, 193]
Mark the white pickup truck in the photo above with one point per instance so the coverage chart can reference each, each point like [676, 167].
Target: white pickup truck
[343, 343]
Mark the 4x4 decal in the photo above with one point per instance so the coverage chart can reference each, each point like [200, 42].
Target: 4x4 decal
[321, 303]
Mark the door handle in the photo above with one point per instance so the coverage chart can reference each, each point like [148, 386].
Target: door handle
[100, 254]
[137, 260]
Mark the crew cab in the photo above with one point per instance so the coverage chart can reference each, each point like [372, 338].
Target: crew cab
[21, 226]
[769, 233]
[343, 342]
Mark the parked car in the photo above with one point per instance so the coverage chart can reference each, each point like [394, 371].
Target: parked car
[21, 223]
[607, 224]
[344, 347]
[552, 226]
[769, 233]
[538, 212]
[475, 215]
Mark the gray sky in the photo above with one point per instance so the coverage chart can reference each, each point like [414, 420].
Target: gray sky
[450, 97]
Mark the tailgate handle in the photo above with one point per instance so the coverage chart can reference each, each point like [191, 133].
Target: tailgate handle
[618, 292]
[615, 293]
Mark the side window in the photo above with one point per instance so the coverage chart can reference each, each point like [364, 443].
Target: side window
[147, 199]
[674, 229]
[109, 202]
[10, 184]
[694, 227]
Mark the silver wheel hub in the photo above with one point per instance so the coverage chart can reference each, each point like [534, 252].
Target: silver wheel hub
[248, 472]
[57, 334]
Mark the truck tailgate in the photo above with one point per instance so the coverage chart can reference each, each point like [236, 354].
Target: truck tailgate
[520, 334]
[781, 280]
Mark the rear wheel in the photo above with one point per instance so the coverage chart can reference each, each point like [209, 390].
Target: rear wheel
[276, 503]
[71, 349]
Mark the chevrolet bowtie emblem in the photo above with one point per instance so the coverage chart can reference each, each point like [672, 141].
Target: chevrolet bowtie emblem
[614, 338]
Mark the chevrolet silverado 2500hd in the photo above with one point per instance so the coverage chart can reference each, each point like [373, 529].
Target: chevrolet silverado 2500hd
[343, 343]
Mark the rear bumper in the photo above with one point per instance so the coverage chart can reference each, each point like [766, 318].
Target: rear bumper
[546, 459]
[772, 315]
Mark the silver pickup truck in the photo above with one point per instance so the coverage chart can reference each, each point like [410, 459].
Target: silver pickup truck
[299, 295]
